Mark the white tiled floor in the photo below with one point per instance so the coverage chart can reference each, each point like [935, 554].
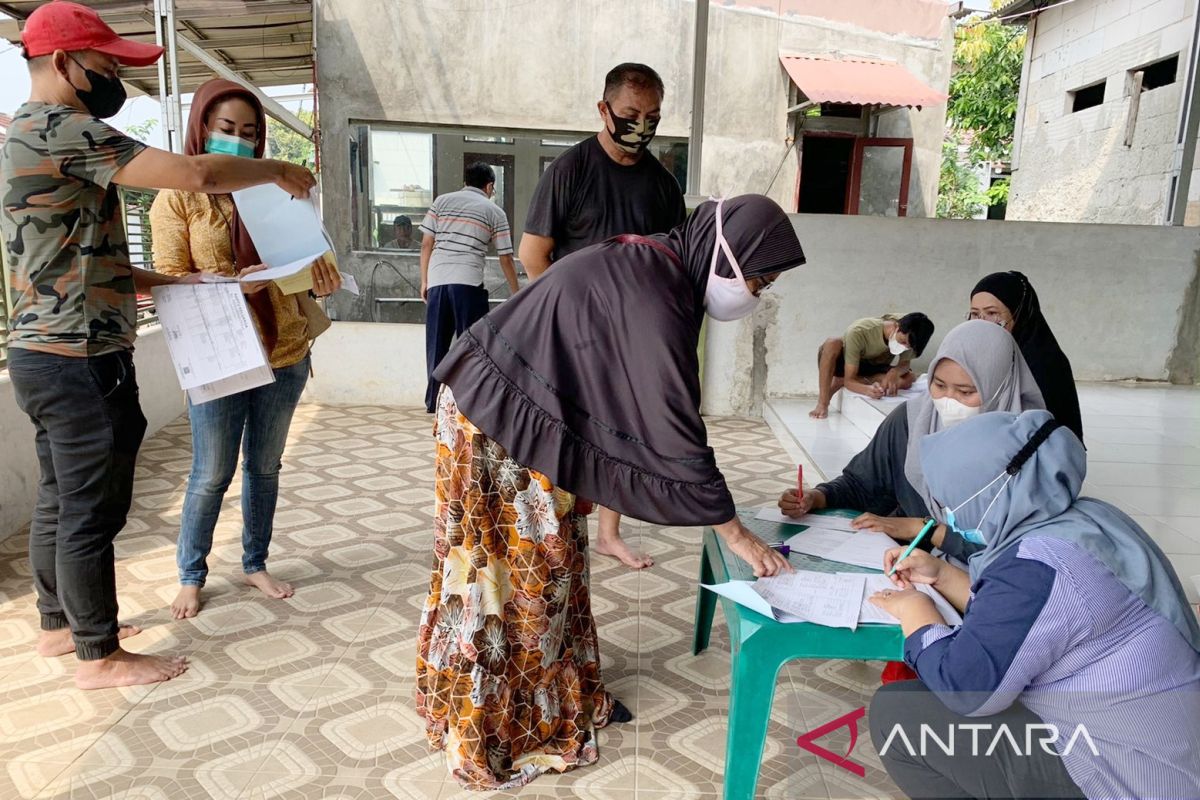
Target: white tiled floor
[1143, 456]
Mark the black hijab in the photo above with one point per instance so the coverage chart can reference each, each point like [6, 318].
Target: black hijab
[590, 374]
[1048, 363]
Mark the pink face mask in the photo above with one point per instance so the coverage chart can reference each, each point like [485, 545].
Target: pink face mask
[727, 299]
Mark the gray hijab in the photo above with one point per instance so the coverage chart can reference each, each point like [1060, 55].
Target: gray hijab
[990, 355]
[1042, 499]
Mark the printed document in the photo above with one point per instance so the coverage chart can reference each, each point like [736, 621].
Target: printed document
[862, 549]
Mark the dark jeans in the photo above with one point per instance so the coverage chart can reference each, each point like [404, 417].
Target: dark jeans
[256, 421]
[934, 773]
[89, 427]
[449, 311]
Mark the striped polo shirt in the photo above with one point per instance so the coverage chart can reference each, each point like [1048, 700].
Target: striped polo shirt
[463, 224]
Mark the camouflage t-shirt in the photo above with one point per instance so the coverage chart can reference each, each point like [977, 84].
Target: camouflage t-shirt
[72, 283]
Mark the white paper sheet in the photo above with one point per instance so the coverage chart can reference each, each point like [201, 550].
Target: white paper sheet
[862, 549]
[209, 332]
[349, 284]
[232, 385]
[873, 613]
[287, 231]
[742, 593]
[920, 387]
[832, 600]
[826, 521]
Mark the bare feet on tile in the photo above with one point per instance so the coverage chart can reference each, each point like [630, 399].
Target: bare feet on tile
[820, 412]
[187, 603]
[60, 643]
[123, 668]
[269, 586]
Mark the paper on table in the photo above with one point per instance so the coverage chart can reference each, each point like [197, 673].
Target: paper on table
[827, 522]
[873, 613]
[862, 549]
[209, 332]
[251, 379]
[832, 600]
[287, 231]
[742, 593]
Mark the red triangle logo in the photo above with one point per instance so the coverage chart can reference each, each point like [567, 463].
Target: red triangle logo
[850, 721]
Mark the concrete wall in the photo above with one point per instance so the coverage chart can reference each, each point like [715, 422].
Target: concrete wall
[512, 69]
[162, 401]
[1074, 166]
[369, 363]
[1121, 299]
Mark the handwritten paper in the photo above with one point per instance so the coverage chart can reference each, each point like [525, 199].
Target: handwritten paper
[830, 522]
[209, 334]
[862, 549]
[831, 600]
[878, 583]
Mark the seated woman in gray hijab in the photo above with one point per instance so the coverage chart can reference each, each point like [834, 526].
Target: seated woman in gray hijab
[1078, 657]
[978, 368]
[584, 385]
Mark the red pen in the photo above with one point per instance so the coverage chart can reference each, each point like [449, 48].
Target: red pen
[799, 481]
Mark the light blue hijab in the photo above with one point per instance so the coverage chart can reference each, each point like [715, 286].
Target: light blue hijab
[1042, 499]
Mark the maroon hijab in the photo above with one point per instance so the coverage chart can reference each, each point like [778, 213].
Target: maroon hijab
[207, 97]
[590, 375]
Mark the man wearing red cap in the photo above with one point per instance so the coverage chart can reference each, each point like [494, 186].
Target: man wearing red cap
[74, 315]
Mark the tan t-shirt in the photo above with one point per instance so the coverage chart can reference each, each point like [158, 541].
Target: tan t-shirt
[864, 341]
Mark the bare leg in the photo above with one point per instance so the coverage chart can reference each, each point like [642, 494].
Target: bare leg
[59, 642]
[269, 586]
[123, 668]
[187, 603]
[826, 364]
[610, 543]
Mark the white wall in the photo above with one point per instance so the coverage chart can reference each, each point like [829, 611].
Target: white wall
[1119, 298]
[369, 363]
[162, 401]
[1074, 166]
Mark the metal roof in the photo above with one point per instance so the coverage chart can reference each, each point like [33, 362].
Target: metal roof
[268, 42]
[859, 82]
[1021, 6]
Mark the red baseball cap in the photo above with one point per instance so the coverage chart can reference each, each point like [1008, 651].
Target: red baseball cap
[60, 25]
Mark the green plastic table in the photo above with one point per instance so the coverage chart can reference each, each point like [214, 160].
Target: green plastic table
[760, 646]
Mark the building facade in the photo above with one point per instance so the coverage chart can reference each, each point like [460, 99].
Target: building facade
[1099, 113]
[411, 92]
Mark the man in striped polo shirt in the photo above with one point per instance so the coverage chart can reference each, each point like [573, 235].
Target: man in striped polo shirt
[458, 229]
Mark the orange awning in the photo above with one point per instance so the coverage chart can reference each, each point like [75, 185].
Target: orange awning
[859, 82]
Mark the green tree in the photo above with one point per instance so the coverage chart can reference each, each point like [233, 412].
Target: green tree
[285, 144]
[982, 109]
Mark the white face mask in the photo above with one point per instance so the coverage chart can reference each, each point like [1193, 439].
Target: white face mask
[727, 299]
[953, 412]
[896, 348]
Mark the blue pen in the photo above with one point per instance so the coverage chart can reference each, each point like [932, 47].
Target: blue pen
[913, 546]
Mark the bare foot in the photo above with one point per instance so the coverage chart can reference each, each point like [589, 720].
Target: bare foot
[60, 643]
[187, 603]
[613, 545]
[820, 412]
[123, 668]
[269, 586]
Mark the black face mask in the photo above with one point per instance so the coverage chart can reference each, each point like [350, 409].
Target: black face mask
[106, 96]
[629, 134]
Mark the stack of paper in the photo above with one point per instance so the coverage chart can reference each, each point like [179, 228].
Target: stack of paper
[287, 233]
[862, 548]
[838, 601]
[830, 522]
[212, 341]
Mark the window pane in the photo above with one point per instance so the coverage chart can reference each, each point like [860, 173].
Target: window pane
[401, 187]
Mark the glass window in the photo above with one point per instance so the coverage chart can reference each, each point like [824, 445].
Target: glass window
[402, 183]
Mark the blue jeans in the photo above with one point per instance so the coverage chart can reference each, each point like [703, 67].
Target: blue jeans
[257, 419]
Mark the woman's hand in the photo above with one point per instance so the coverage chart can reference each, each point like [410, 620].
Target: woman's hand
[793, 504]
[919, 567]
[252, 287]
[326, 278]
[902, 529]
[763, 560]
[914, 609]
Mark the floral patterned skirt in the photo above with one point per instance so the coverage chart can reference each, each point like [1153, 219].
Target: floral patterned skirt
[508, 670]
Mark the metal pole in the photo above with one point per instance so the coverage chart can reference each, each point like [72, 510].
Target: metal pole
[699, 79]
[173, 63]
[169, 131]
[1185, 140]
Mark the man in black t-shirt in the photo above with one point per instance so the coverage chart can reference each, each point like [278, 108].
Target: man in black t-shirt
[602, 187]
